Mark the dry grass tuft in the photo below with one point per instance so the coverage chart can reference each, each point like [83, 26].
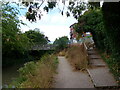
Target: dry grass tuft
[77, 56]
[62, 53]
[43, 75]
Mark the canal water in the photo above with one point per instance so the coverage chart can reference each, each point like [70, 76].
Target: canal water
[9, 74]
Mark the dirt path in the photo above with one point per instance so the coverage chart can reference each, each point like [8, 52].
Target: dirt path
[67, 78]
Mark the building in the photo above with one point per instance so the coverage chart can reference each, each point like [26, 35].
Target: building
[79, 38]
[73, 34]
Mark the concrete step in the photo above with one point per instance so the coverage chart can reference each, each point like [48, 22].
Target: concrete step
[92, 52]
[101, 77]
[98, 65]
[97, 62]
[94, 57]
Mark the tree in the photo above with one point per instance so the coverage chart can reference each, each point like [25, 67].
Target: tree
[104, 25]
[92, 21]
[11, 35]
[77, 9]
[34, 8]
[14, 43]
[61, 43]
[111, 18]
[35, 37]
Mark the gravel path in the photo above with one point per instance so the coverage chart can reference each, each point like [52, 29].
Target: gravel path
[67, 78]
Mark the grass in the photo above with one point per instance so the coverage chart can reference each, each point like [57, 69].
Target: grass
[37, 74]
[77, 56]
[62, 53]
[113, 65]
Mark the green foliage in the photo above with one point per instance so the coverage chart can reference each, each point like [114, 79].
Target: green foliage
[51, 5]
[105, 28]
[113, 65]
[15, 44]
[112, 30]
[76, 9]
[92, 21]
[30, 16]
[56, 61]
[12, 38]
[94, 5]
[61, 43]
[112, 25]
[37, 74]
[29, 68]
[36, 37]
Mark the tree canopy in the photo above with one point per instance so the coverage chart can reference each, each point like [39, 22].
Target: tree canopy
[12, 38]
[15, 44]
[61, 43]
[36, 37]
[104, 25]
[35, 8]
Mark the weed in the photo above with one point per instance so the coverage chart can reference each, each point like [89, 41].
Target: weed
[37, 74]
[113, 65]
[77, 56]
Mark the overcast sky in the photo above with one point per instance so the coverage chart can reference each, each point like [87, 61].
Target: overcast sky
[52, 24]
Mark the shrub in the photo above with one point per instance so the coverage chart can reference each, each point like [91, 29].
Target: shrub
[61, 43]
[37, 74]
[113, 65]
[77, 57]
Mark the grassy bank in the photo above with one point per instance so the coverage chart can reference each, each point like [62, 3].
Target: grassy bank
[113, 65]
[37, 74]
[77, 56]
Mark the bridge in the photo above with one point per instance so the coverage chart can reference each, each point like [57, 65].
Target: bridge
[43, 47]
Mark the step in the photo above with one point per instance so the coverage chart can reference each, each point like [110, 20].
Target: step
[98, 65]
[92, 52]
[97, 62]
[94, 57]
[101, 77]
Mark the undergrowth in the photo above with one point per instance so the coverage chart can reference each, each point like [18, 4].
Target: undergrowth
[113, 65]
[77, 56]
[37, 74]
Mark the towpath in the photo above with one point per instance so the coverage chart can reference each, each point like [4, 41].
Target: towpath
[68, 78]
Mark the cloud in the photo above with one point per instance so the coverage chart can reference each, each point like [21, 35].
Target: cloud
[54, 32]
[53, 24]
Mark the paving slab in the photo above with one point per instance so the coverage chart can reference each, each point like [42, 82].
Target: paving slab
[97, 62]
[101, 77]
[94, 56]
[92, 52]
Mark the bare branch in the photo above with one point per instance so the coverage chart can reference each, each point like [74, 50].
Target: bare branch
[41, 3]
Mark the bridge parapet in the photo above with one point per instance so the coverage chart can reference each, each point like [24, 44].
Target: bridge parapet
[43, 47]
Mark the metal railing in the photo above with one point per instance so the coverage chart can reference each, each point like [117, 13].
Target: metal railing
[43, 47]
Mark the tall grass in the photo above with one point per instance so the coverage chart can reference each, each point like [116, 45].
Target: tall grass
[37, 74]
[77, 56]
[112, 64]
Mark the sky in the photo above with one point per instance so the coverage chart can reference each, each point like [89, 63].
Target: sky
[52, 24]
